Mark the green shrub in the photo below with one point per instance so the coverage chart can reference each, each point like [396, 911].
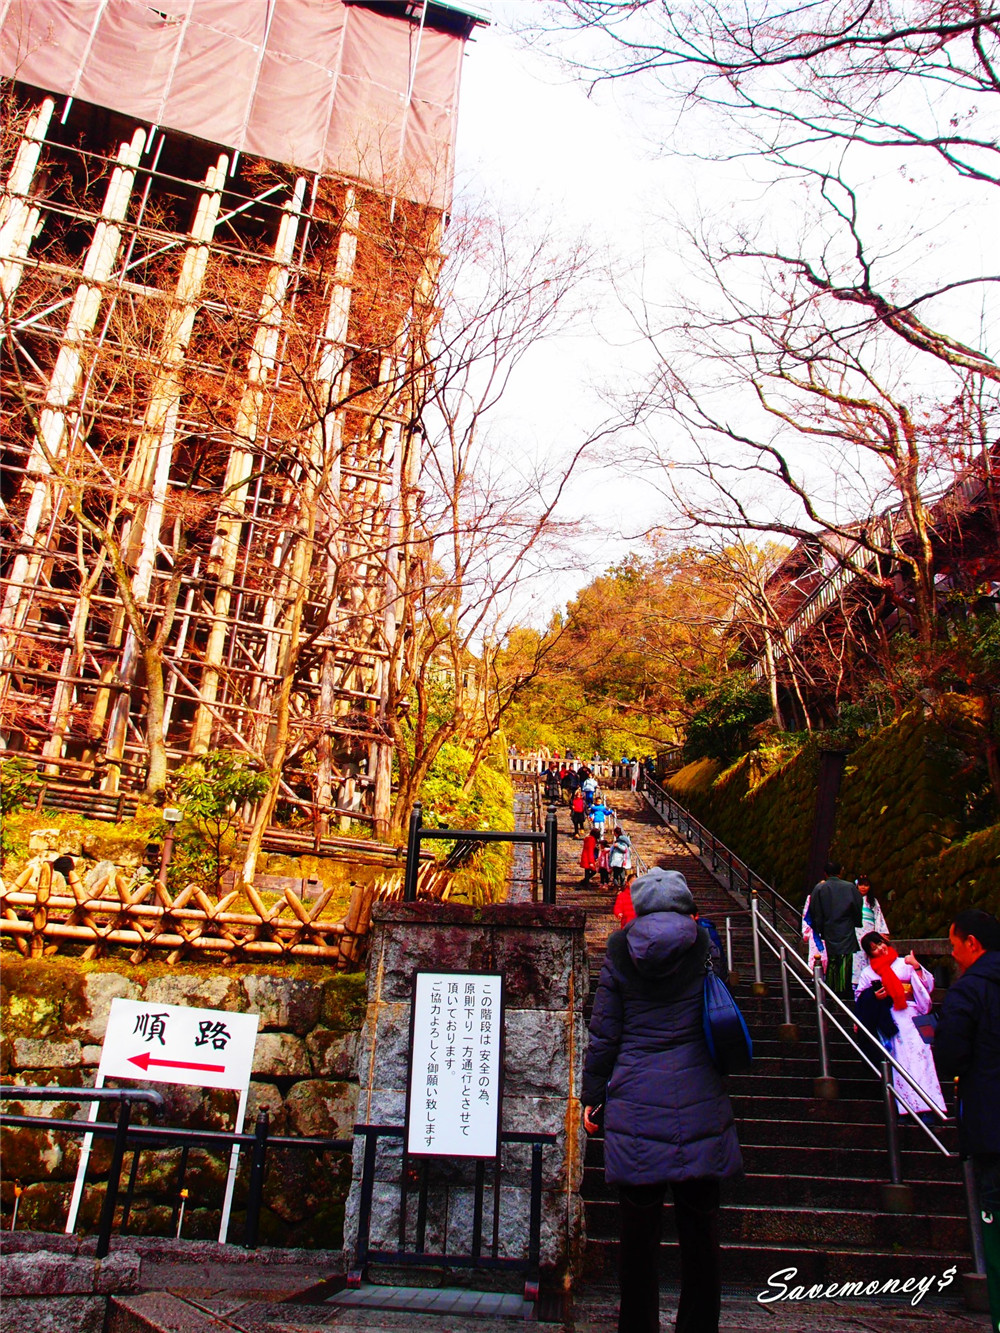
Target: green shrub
[729, 708]
[489, 804]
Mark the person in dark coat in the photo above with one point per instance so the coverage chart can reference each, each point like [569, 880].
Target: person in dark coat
[835, 909]
[667, 1119]
[967, 1046]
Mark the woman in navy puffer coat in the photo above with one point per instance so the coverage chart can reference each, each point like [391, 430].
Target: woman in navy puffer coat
[667, 1119]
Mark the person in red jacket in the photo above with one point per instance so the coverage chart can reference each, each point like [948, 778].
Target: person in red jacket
[623, 910]
[578, 812]
[588, 858]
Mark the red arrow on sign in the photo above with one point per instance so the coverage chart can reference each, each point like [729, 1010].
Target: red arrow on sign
[145, 1060]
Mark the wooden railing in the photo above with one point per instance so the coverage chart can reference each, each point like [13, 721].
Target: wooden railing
[43, 912]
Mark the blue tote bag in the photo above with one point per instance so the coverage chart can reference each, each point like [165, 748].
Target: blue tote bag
[726, 1032]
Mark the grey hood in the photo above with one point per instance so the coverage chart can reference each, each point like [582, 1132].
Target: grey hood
[664, 930]
[662, 891]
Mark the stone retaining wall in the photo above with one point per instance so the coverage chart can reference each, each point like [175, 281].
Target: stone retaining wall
[54, 1015]
[541, 951]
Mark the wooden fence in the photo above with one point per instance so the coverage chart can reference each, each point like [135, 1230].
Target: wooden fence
[44, 912]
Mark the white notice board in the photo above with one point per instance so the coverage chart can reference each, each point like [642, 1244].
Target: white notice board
[456, 1054]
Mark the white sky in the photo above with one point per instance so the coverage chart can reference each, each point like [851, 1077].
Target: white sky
[530, 138]
[529, 135]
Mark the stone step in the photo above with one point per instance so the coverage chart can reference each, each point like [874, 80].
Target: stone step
[775, 1082]
[946, 1197]
[762, 1106]
[160, 1312]
[814, 1168]
[807, 1226]
[837, 1162]
[753, 1264]
[811, 1136]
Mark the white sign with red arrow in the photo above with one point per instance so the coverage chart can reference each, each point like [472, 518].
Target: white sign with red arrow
[170, 1043]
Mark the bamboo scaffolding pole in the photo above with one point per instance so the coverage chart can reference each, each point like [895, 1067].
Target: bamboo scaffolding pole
[19, 217]
[240, 464]
[54, 426]
[149, 468]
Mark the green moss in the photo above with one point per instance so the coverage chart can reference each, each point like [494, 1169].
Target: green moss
[899, 818]
[123, 843]
[345, 999]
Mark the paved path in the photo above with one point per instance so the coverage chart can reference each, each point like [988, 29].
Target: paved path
[595, 1311]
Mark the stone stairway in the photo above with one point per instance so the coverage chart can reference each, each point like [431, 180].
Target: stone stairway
[811, 1197]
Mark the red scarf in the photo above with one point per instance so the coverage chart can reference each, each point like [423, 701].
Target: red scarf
[892, 984]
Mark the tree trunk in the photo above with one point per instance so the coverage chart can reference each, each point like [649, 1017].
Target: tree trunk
[156, 774]
[772, 678]
[265, 810]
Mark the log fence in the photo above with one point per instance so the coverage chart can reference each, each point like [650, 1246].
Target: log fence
[44, 912]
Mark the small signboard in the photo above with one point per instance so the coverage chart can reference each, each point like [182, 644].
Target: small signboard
[456, 1058]
[169, 1043]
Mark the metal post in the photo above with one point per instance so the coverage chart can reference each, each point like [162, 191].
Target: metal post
[824, 1086]
[551, 845]
[166, 853]
[255, 1191]
[114, 1178]
[734, 978]
[759, 988]
[896, 1197]
[535, 1210]
[787, 1031]
[975, 1217]
[356, 1274]
[413, 854]
[180, 1215]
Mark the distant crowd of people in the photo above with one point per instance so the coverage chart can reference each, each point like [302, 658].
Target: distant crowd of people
[564, 778]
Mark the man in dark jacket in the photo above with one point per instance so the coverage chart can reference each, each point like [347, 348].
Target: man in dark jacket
[967, 1046]
[667, 1119]
[835, 913]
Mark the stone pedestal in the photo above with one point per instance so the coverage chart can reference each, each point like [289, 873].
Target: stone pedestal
[542, 954]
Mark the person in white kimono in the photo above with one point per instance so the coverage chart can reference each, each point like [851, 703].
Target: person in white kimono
[908, 986]
[872, 918]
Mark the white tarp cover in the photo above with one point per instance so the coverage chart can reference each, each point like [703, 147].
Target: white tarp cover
[317, 84]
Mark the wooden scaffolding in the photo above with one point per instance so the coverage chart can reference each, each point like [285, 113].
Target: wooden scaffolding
[211, 381]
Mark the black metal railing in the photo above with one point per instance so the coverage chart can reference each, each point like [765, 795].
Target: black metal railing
[418, 1254]
[547, 838]
[126, 1134]
[722, 859]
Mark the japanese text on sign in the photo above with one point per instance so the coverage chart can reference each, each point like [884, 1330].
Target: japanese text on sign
[454, 1093]
[172, 1043]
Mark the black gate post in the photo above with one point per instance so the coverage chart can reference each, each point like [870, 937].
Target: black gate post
[413, 854]
[551, 842]
[114, 1179]
[255, 1190]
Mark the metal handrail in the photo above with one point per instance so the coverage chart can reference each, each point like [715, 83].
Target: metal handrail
[889, 1058]
[124, 1133]
[820, 992]
[742, 878]
[13, 1092]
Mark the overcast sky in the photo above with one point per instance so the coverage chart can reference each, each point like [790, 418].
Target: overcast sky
[530, 135]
